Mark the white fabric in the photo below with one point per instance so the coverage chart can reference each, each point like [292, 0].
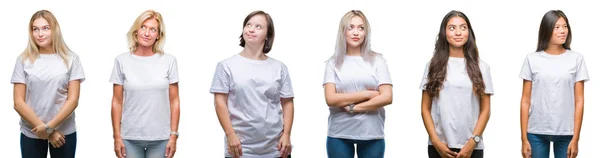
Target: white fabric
[355, 75]
[456, 111]
[553, 90]
[146, 111]
[254, 89]
[47, 80]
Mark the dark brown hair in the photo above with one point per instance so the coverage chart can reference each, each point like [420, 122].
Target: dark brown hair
[270, 30]
[547, 27]
[439, 61]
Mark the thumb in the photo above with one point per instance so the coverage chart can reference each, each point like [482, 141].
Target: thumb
[167, 151]
[279, 145]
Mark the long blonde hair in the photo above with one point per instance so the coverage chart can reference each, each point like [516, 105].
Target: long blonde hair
[32, 52]
[132, 34]
[340, 49]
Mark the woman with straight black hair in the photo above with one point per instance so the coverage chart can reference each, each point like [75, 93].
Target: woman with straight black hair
[457, 87]
[552, 99]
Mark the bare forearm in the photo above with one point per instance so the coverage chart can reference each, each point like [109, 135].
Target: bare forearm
[288, 117]
[484, 115]
[345, 99]
[224, 120]
[578, 120]
[175, 111]
[374, 104]
[426, 115]
[116, 120]
[524, 120]
[65, 111]
[27, 114]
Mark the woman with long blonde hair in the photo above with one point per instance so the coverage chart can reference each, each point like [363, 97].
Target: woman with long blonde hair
[46, 80]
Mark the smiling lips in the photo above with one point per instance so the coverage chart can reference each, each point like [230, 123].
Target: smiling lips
[355, 38]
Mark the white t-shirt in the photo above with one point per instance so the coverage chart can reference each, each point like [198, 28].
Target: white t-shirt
[355, 75]
[146, 111]
[47, 81]
[552, 109]
[456, 111]
[254, 89]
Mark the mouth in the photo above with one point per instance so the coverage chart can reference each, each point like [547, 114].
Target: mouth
[41, 39]
[458, 39]
[355, 39]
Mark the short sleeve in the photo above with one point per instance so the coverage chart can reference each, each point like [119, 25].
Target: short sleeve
[329, 72]
[117, 76]
[173, 75]
[76, 70]
[526, 70]
[487, 80]
[424, 78]
[18, 73]
[581, 74]
[220, 83]
[286, 90]
[382, 72]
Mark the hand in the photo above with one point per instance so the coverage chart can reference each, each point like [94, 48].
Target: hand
[119, 148]
[171, 147]
[573, 149]
[284, 146]
[57, 139]
[443, 150]
[346, 108]
[234, 146]
[40, 131]
[467, 149]
[371, 93]
[526, 149]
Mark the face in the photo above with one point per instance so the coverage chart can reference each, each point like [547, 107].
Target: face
[560, 32]
[255, 31]
[42, 33]
[147, 34]
[457, 32]
[355, 33]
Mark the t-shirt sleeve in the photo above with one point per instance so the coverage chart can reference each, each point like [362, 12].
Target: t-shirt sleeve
[76, 70]
[526, 70]
[382, 72]
[117, 76]
[424, 78]
[581, 74]
[173, 74]
[329, 72]
[220, 83]
[286, 90]
[487, 80]
[18, 73]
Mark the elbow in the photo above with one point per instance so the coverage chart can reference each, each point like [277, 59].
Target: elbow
[330, 102]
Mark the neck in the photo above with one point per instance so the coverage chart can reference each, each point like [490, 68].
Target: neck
[457, 52]
[253, 52]
[143, 51]
[555, 49]
[46, 50]
[353, 51]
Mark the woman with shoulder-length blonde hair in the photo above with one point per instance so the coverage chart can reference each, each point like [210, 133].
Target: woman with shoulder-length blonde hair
[145, 104]
[46, 80]
[357, 86]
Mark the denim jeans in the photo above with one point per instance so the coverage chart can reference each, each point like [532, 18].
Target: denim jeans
[344, 148]
[145, 148]
[38, 148]
[540, 145]
[432, 152]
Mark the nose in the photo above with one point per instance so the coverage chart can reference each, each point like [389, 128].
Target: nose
[355, 32]
[146, 32]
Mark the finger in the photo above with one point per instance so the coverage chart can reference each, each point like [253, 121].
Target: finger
[63, 140]
[172, 153]
[123, 151]
[234, 152]
[279, 146]
[239, 148]
[167, 151]
[118, 153]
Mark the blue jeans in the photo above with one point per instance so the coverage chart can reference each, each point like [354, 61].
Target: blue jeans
[145, 148]
[344, 148]
[540, 145]
[38, 148]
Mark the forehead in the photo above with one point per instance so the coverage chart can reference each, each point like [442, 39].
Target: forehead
[456, 21]
[258, 18]
[561, 21]
[150, 22]
[40, 22]
[356, 20]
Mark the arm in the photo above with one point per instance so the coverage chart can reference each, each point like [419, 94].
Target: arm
[223, 113]
[525, 104]
[117, 108]
[427, 119]
[484, 115]
[385, 98]
[22, 108]
[69, 106]
[174, 99]
[335, 99]
[287, 104]
[578, 109]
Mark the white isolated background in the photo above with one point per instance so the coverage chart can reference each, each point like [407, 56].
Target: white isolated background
[202, 33]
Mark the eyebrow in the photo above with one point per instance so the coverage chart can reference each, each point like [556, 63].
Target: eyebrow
[457, 25]
[42, 26]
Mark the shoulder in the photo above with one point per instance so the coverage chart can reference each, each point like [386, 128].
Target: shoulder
[122, 56]
[483, 65]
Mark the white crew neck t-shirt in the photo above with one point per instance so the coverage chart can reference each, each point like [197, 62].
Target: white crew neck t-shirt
[456, 111]
[254, 89]
[357, 75]
[47, 80]
[146, 111]
[553, 77]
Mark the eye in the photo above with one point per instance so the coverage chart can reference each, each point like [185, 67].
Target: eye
[463, 28]
[35, 29]
[362, 28]
[153, 30]
[259, 26]
[451, 28]
[46, 28]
